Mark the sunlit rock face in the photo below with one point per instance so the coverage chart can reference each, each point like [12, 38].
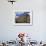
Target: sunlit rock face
[17, 17]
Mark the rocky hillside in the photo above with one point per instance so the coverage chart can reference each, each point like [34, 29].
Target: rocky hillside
[23, 19]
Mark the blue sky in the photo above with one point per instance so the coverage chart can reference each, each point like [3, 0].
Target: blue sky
[20, 13]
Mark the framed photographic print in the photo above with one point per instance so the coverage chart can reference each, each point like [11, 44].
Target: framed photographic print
[23, 17]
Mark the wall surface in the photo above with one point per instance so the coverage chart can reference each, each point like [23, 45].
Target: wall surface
[7, 13]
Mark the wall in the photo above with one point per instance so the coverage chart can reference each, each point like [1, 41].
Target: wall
[7, 12]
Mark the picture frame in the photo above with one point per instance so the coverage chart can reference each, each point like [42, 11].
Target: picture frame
[23, 18]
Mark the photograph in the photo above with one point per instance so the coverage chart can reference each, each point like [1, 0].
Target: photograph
[23, 18]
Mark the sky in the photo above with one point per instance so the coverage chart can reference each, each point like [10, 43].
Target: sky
[20, 13]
